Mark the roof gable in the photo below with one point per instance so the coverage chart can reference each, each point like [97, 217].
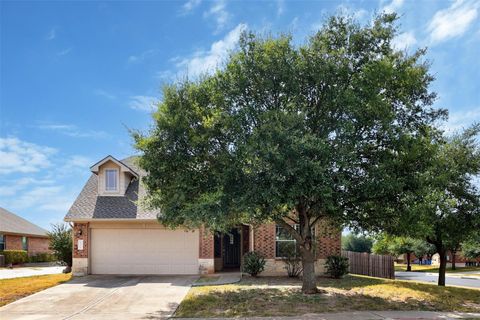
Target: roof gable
[123, 167]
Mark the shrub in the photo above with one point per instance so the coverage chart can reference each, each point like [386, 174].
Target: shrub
[253, 263]
[61, 242]
[42, 257]
[337, 266]
[15, 256]
[293, 262]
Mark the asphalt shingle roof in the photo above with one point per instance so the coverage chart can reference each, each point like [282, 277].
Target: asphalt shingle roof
[11, 223]
[89, 205]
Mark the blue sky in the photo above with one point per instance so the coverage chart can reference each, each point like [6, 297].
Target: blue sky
[74, 76]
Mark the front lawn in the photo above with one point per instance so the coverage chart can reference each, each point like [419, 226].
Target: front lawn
[272, 296]
[434, 269]
[17, 288]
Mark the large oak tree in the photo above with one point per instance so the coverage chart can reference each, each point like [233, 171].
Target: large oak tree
[334, 128]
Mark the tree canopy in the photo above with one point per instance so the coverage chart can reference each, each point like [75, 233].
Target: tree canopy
[335, 128]
[357, 243]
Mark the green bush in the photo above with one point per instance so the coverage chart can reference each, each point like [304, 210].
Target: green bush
[253, 263]
[42, 257]
[293, 261]
[337, 266]
[15, 256]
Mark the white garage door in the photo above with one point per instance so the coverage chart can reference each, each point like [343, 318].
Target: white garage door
[143, 251]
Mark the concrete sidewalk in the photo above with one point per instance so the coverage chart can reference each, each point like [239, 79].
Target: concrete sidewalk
[21, 272]
[369, 315]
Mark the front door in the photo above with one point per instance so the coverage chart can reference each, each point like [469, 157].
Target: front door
[231, 249]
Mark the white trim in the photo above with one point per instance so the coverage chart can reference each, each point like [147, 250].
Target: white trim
[124, 168]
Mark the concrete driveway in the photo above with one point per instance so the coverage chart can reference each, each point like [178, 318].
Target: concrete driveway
[104, 297]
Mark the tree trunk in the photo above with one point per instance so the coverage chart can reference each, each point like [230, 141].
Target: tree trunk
[309, 285]
[409, 267]
[443, 267]
[453, 252]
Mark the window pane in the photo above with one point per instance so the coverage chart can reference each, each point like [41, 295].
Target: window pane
[24, 243]
[2, 242]
[285, 248]
[111, 179]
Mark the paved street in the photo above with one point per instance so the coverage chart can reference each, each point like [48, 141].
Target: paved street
[454, 280]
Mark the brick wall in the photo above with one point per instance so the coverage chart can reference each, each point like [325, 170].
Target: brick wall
[83, 229]
[13, 242]
[38, 245]
[206, 250]
[264, 240]
[328, 239]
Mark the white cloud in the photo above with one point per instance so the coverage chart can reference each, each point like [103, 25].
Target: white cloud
[144, 103]
[453, 21]
[21, 156]
[39, 181]
[142, 56]
[208, 61]
[219, 14]
[393, 6]
[457, 121]
[105, 94]
[52, 34]
[404, 40]
[190, 5]
[72, 130]
[64, 52]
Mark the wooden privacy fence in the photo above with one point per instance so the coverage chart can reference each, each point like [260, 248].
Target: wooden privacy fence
[372, 265]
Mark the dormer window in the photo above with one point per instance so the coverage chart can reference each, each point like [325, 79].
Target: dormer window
[111, 180]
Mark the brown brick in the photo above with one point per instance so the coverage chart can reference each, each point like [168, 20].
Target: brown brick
[83, 229]
[264, 240]
[38, 245]
[13, 242]
[206, 250]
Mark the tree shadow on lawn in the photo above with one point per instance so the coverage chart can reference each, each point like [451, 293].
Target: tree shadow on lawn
[276, 296]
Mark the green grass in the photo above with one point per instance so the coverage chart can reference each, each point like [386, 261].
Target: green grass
[434, 269]
[274, 296]
[17, 288]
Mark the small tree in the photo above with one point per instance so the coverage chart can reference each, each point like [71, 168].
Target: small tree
[357, 243]
[423, 249]
[61, 242]
[471, 247]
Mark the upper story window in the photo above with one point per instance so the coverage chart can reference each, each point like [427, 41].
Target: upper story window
[24, 243]
[111, 179]
[2, 242]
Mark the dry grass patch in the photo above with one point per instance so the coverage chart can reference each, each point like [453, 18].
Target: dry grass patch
[282, 297]
[17, 288]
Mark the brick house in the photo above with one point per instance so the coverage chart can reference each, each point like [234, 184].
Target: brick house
[17, 233]
[112, 235]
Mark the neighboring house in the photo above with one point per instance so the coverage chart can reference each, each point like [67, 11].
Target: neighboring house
[17, 233]
[112, 235]
[460, 261]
